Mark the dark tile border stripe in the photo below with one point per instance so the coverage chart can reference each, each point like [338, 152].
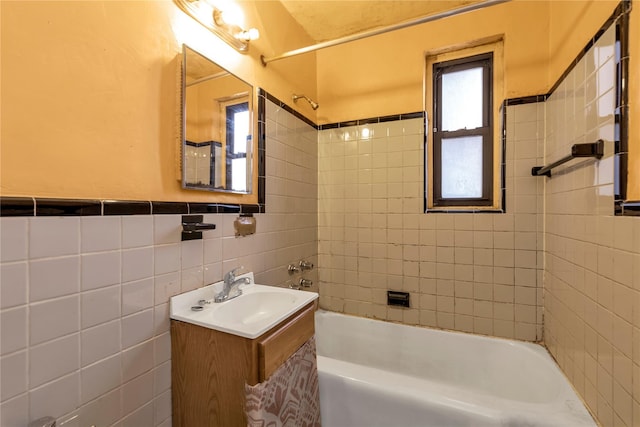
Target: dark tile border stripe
[169, 208]
[125, 207]
[503, 158]
[28, 206]
[66, 207]
[622, 113]
[262, 150]
[229, 208]
[630, 208]
[203, 208]
[525, 100]
[250, 209]
[17, 206]
[373, 120]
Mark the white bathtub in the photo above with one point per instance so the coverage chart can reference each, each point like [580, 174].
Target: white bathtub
[380, 374]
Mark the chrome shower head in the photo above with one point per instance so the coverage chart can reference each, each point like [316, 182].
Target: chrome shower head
[313, 104]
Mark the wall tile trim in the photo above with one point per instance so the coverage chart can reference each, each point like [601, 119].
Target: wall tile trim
[17, 206]
[64, 207]
[630, 208]
[124, 207]
[28, 206]
[372, 120]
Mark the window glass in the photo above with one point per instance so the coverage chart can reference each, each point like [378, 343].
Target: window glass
[236, 150]
[462, 167]
[240, 131]
[239, 174]
[462, 99]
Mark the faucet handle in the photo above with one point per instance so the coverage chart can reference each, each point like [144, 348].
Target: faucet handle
[306, 265]
[292, 269]
[230, 276]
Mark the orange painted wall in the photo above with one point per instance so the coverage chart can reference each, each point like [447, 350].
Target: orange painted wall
[572, 25]
[90, 93]
[383, 75]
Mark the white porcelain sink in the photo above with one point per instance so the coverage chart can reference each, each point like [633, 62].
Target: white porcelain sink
[253, 313]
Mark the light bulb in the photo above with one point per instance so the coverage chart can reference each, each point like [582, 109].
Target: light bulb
[231, 14]
[248, 35]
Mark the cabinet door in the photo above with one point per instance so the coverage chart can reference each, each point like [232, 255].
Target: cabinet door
[209, 370]
[274, 349]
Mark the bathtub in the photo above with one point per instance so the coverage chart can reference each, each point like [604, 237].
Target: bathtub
[379, 374]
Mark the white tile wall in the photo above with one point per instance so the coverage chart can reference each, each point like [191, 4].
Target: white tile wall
[591, 281]
[469, 272]
[84, 301]
[53, 236]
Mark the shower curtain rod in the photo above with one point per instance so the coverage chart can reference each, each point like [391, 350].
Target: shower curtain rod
[375, 32]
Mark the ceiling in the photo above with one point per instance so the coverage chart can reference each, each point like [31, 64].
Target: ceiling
[330, 19]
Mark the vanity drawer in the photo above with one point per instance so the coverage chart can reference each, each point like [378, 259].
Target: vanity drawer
[277, 347]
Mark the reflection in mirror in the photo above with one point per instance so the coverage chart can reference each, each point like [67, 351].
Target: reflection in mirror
[217, 127]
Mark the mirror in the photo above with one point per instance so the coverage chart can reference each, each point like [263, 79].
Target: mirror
[217, 142]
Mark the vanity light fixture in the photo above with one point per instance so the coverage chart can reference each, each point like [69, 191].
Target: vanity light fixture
[223, 22]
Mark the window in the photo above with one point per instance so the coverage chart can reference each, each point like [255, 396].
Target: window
[238, 138]
[464, 145]
[463, 139]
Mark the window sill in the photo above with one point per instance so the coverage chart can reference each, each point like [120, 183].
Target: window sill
[465, 209]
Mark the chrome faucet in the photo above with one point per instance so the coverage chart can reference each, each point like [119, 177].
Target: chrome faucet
[231, 286]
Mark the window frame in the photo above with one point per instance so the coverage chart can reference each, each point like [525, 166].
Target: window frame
[230, 110]
[486, 62]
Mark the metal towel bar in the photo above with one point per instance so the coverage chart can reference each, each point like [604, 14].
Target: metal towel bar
[593, 149]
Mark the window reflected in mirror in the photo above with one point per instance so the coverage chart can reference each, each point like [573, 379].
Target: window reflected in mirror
[218, 127]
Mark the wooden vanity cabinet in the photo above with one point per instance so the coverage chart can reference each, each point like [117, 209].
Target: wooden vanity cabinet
[209, 368]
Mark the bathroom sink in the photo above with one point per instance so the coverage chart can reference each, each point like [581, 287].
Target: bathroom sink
[249, 315]
[253, 307]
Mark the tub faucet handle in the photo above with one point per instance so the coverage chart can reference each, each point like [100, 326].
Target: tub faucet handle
[292, 269]
[306, 283]
[306, 265]
[294, 285]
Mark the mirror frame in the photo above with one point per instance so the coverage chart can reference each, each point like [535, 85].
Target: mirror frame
[252, 149]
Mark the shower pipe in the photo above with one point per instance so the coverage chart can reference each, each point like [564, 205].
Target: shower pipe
[394, 27]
